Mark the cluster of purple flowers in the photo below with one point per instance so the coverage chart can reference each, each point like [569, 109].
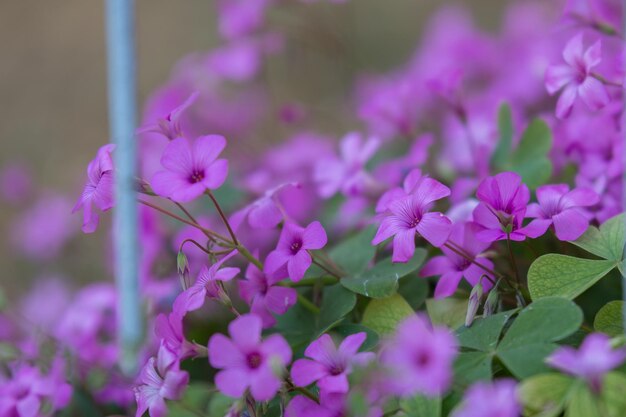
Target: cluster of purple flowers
[438, 114]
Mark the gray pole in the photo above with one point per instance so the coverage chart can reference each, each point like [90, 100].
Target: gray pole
[120, 24]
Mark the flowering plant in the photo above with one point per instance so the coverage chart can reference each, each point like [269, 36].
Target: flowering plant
[458, 254]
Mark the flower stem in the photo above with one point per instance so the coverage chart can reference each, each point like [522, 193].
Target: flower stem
[472, 260]
[301, 390]
[324, 267]
[605, 81]
[223, 216]
[308, 304]
[513, 262]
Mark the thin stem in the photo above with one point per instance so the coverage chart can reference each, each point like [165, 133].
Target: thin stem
[246, 254]
[188, 214]
[513, 263]
[330, 263]
[308, 304]
[309, 282]
[301, 390]
[199, 246]
[324, 267]
[183, 220]
[605, 81]
[223, 216]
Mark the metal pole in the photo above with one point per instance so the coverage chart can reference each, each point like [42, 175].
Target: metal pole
[120, 24]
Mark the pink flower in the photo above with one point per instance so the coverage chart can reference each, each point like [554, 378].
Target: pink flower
[452, 267]
[503, 202]
[347, 174]
[591, 361]
[98, 190]
[29, 393]
[406, 214]
[246, 361]
[16, 183]
[169, 329]
[577, 78]
[259, 290]
[494, 399]
[292, 249]
[265, 212]
[191, 169]
[419, 358]
[561, 208]
[169, 125]
[160, 379]
[330, 405]
[239, 18]
[330, 366]
[205, 286]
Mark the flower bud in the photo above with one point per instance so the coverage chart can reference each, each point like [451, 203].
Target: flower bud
[182, 264]
[491, 304]
[474, 302]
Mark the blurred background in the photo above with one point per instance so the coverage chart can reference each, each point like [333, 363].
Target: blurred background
[54, 105]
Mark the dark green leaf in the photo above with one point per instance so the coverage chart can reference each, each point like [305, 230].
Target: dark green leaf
[610, 319]
[530, 159]
[470, 367]
[422, 406]
[606, 242]
[337, 302]
[354, 254]
[414, 290]
[527, 359]
[484, 332]
[505, 129]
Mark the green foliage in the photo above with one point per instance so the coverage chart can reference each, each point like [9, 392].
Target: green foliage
[548, 395]
[337, 302]
[354, 254]
[414, 290]
[610, 319]
[530, 158]
[447, 311]
[525, 345]
[371, 341]
[567, 276]
[421, 406]
[383, 315]
[382, 280]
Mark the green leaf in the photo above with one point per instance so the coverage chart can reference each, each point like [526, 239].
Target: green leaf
[383, 315]
[606, 242]
[526, 360]
[582, 403]
[470, 367]
[414, 290]
[298, 325]
[354, 254]
[484, 332]
[613, 389]
[447, 311]
[544, 394]
[610, 319]
[530, 159]
[505, 128]
[345, 330]
[382, 280]
[422, 406]
[337, 302]
[546, 320]
[565, 276]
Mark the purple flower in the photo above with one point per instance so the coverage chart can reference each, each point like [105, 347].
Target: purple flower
[495, 399]
[191, 169]
[259, 290]
[239, 18]
[330, 366]
[330, 405]
[347, 174]
[169, 329]
[292, 249]
[98, 190]
[452, 267]
[238, 61]
[503, 200]
[205, 286]
[169, 125]
[591, 361]
[264, 213]
[29, 393]
[160, 379]
[248, 362]
[419, 358]
[561, 208]
[407, 215]
[16, 183]
[577, 78]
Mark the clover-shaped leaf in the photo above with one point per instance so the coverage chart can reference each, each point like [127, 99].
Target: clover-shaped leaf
[610, 319]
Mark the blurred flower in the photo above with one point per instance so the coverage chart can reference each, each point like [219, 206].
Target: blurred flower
[419, 358]
[169, 329]
[245, 361]
[265, 212]
[42, 231]
[259, 290]
[190, 170]
[330, 405]
[169, 125]
[593, 359]
[205, 286]
[490, 399]
[160, 379]
[330, 366]
[577, 77]
[240, 18]
[16, 184]
[292, 249]
[561, 208]
[98, 190]
[408, 215]
[452, 267]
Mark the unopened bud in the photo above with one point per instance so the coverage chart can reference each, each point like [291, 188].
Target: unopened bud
[491, 304]
[182, 264]
[474, 302]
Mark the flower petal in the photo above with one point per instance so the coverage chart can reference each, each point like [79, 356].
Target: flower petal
[435, 228]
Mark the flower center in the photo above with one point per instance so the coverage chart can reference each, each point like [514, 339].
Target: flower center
[196, 176]
[413, 223]
[254, 360]
[296, 246]
[422, 358]
[336, 370]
